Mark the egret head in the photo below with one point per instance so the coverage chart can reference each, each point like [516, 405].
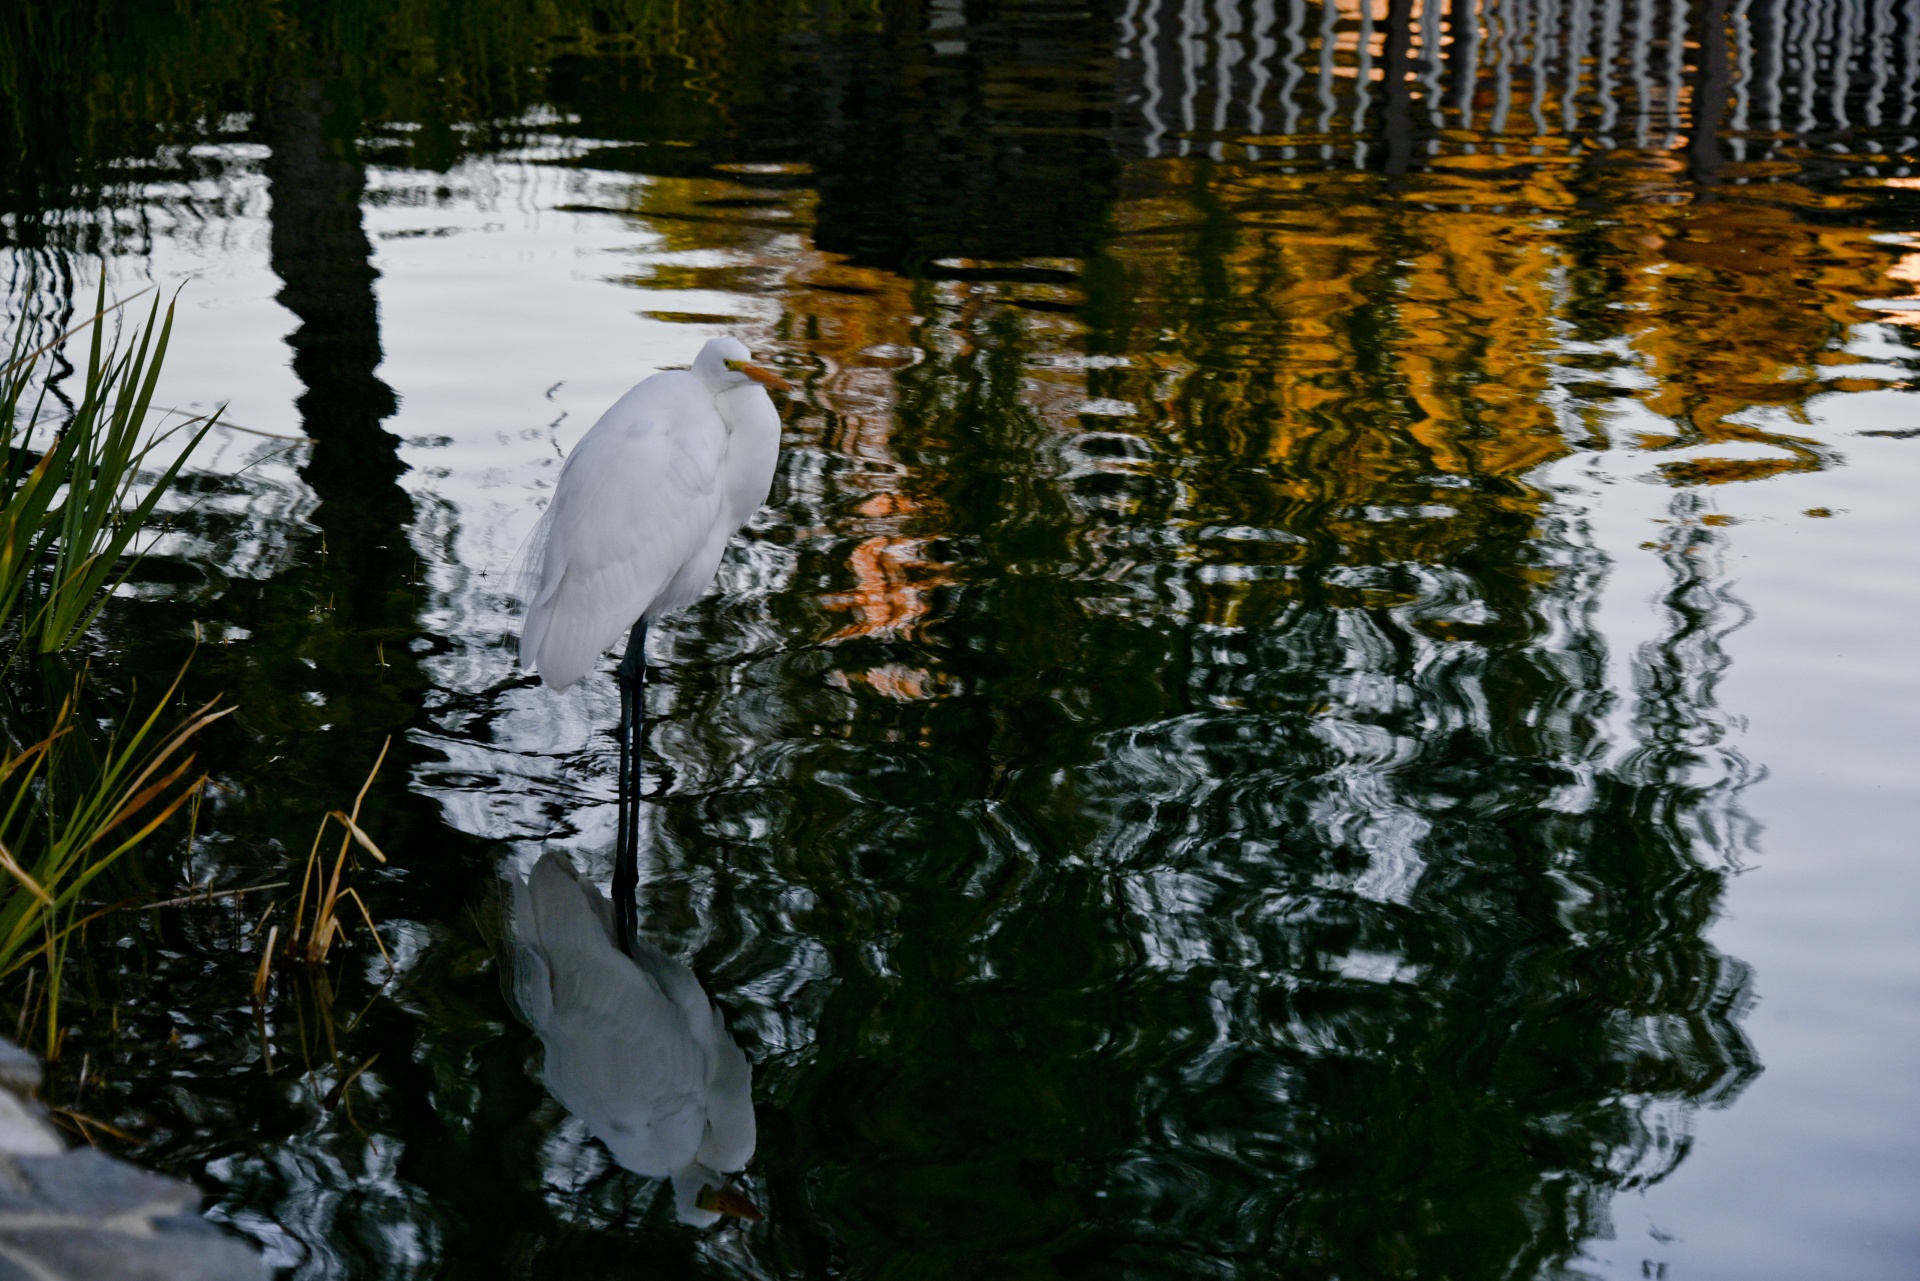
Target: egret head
[725, 363]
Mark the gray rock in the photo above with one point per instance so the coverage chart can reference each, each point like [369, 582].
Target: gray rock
[92, 1185]
[83, 1216]
[19, 1070]
[91, 1255]
[24, 1130]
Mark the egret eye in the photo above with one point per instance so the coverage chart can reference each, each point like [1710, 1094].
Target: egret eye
[736, 365]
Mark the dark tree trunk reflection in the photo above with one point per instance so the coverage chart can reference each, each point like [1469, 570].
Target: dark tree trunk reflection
[321, 253]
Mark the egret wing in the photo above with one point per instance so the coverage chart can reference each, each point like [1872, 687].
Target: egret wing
[637, 498]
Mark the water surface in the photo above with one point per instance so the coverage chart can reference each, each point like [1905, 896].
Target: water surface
[1324, 688]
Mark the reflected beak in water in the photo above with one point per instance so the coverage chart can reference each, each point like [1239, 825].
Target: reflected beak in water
[729, 1201]
[765, 377]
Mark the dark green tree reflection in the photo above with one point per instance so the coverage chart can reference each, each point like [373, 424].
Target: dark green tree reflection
[1200, 888]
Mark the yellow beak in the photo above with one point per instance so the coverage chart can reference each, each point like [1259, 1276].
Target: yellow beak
[729, 1201]
[765, 377]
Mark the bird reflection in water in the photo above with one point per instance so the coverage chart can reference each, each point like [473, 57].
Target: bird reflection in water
[633, 1045]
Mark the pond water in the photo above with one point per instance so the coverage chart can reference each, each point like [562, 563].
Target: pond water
[1326, 687]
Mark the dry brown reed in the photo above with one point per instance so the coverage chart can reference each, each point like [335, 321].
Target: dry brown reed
[311, 938]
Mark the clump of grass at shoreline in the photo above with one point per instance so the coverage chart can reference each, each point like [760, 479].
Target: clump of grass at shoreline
[71, 512]
[61, 828]
[76, 515]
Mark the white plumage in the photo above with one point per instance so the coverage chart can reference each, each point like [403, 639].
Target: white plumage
[634, 1047]
[638, 523]
[644, 507]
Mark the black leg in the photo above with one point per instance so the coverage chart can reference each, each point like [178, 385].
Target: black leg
[633, 715]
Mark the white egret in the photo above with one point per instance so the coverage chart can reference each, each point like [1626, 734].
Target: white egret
[643, 510]
[633, 1046]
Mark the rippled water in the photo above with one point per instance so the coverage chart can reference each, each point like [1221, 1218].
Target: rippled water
[1326, 686]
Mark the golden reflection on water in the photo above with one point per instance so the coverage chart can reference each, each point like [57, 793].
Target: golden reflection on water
[1400, 357]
